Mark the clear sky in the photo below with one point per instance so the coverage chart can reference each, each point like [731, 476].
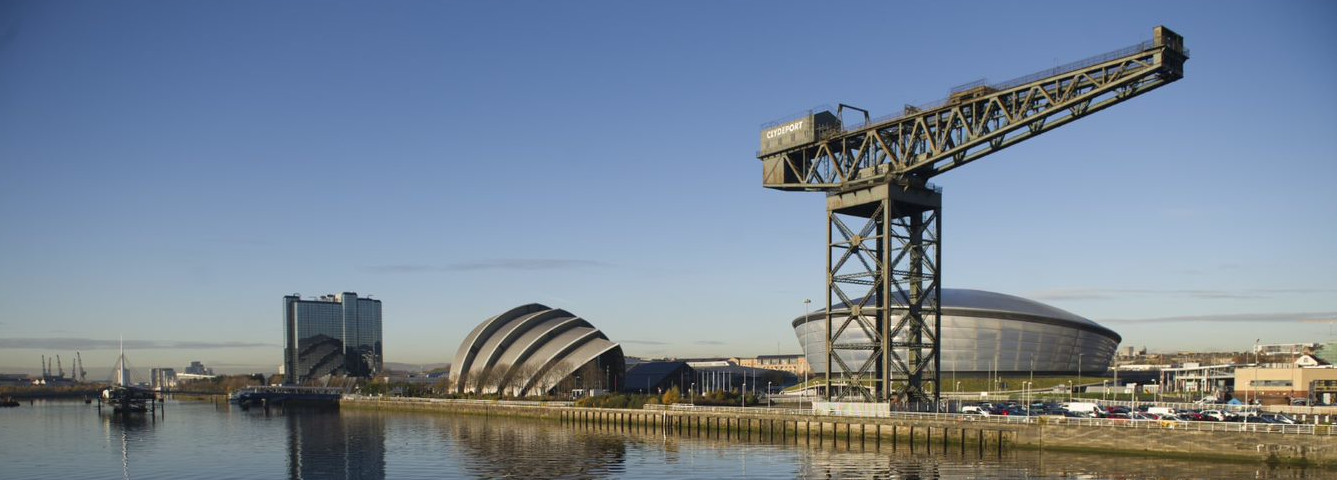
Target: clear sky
[170, 170]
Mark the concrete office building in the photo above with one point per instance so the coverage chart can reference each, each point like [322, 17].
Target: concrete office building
[985, 333]
[331, 335]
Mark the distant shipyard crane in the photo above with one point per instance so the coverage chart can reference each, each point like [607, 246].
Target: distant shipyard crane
[884, 251]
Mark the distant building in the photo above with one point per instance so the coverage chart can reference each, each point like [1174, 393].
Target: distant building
[1281, 384]
[333, 335]
[163, 378]
[197, 368]
[1289, 349]
[794, 364]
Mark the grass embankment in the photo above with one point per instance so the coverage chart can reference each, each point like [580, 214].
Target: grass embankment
[43, 391]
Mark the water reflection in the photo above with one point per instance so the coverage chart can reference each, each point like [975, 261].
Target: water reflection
[323, 444]
[127, 431]
[511, 448]
[841, 462]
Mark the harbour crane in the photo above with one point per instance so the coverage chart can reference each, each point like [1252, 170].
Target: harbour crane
[83, 374]
[60, 371]
[884, 243]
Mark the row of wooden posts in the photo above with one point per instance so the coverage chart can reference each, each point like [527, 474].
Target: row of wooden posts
[792, 429]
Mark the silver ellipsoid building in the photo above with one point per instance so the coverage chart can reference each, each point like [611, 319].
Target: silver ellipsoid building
[985, 332]
[536, 350]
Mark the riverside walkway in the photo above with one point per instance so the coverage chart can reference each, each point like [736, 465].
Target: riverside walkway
[1303, 444]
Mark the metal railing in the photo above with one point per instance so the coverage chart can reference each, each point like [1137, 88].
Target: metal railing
[457, 401]
[1029, 420]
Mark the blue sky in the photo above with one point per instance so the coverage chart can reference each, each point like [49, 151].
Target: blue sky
[170, 170]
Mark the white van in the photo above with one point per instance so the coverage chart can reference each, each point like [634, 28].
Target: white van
[1162, 411]
[973, 410]
[1088, 409]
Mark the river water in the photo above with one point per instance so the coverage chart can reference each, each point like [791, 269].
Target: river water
[72, 440]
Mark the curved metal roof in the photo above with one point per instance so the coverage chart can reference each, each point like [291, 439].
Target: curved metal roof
[980, 303]
[527, 348]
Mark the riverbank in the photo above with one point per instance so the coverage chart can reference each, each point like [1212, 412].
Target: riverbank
[1240, 443]
[41, 391]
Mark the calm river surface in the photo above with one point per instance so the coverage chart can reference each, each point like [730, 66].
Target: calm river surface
[71, 440]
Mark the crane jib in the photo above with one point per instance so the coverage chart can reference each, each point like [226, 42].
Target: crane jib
[817, 152]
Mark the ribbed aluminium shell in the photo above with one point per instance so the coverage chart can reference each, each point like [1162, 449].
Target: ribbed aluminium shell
[526, 351]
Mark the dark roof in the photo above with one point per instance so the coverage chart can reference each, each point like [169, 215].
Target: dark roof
[652, 373]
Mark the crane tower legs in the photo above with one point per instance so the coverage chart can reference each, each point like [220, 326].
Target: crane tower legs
[884, 285]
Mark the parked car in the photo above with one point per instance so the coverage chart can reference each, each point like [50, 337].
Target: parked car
[1216, 415]
[1278, 418]
[1086, 409]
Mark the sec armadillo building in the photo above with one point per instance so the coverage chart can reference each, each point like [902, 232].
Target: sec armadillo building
[986, 332]
[535, 350]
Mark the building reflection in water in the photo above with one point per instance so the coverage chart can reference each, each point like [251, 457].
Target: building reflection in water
[323, 444]
[495, 446]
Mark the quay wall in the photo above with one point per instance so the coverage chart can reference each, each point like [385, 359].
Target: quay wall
[964, 432]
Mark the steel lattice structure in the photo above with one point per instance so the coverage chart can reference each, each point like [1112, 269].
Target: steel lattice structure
[876, 175]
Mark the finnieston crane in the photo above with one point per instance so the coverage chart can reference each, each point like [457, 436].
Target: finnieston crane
[884, 246]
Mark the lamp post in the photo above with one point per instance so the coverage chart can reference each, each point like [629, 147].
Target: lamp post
[692, 384]
[805, 342]
[767, 390]
[743, 392]
[1026, 387]
[1255, 369]
[1070, 397]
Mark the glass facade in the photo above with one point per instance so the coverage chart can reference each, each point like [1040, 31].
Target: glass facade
[334, 335]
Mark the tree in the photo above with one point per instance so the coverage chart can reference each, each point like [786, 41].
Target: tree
[671, 396]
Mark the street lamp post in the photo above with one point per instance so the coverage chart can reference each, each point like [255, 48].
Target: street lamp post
[1255, 368]
[1026, 387]
[743, 392]
[692, 384]
[805, 342]
[1070, 392]
[767, 390]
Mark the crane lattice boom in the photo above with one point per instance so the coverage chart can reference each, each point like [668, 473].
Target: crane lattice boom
[973, 122]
